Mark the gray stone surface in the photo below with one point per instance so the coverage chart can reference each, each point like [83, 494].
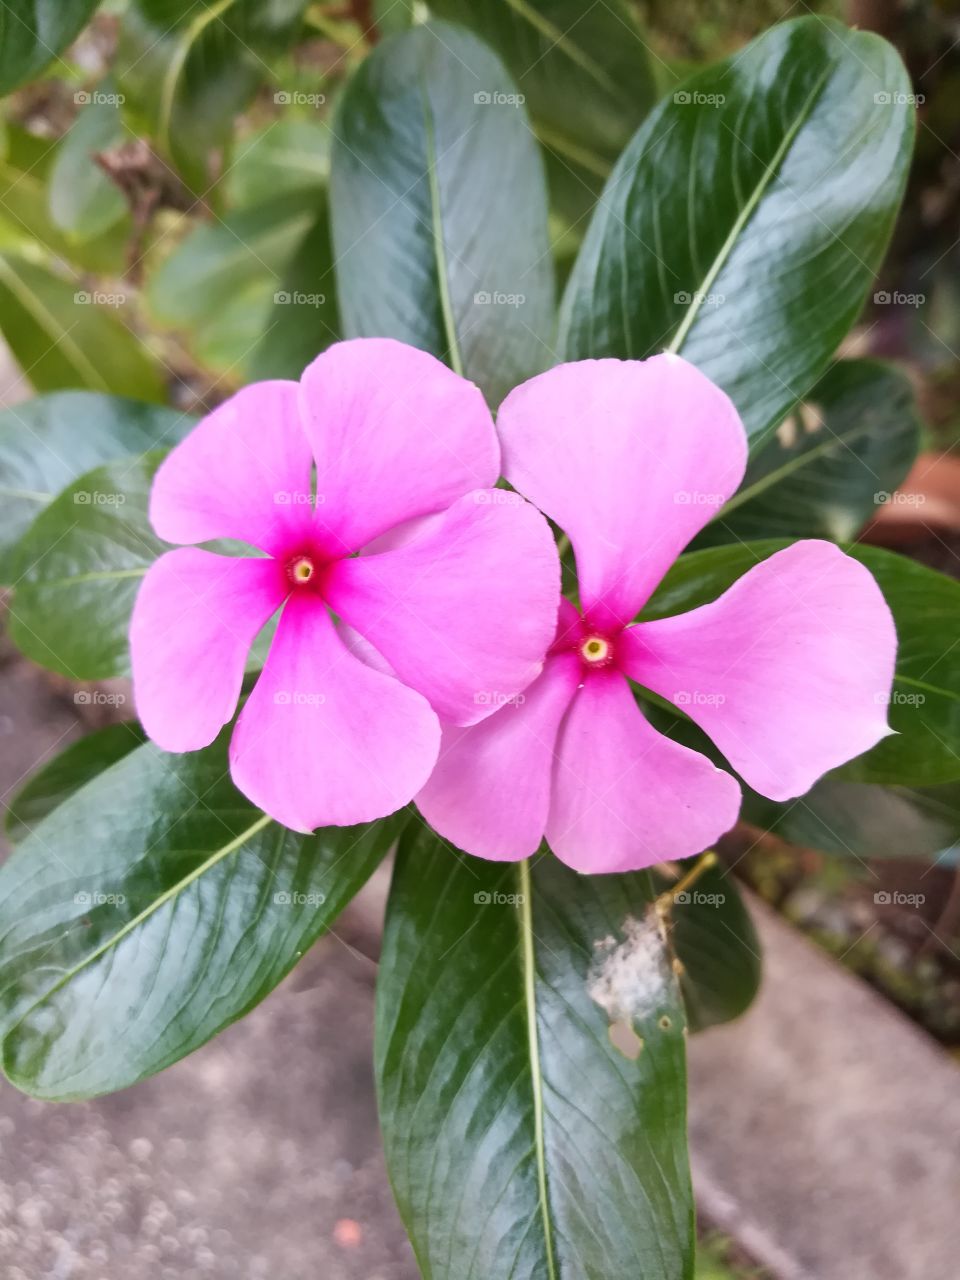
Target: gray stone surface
[257, 1158]
[825, 1127]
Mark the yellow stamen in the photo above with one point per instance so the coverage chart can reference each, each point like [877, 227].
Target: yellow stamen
[302, 569]
[595, 649]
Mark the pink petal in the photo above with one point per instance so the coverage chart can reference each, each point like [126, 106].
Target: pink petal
[490, 791]
[789, 671]
[624, 796]
[631, 458]
[243, 472]
[325, 740]
[465, 612]
[195, 617]
[395, 433]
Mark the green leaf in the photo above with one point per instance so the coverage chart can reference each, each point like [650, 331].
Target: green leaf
[48, 441]
[190, 68]
[585, 71]
[64, 335]
[58, 779]
[303, 319]
[34, 32]
[26, 224]
[149, 911]
[438, 209]
[78, 569]
[925, 702]
[531, 1071]
[713, 937]
[217, 260]
[839, 456]
[743, 224]
[283, 157]
[83, 200]
[863, 820]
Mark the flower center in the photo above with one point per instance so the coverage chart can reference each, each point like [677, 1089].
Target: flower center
[301, 569]
[596, 651]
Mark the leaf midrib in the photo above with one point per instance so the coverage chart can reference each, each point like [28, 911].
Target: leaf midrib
[796, 463]
[746, 212]
[436, 226]
[528, 963]
[168, 895]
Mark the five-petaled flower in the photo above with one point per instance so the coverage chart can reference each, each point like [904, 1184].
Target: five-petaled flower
[788, 672]
[379, 450]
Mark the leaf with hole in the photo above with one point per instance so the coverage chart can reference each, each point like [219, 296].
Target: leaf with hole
[530, 1056]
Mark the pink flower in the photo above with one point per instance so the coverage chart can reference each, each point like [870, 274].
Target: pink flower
[342, 725]
[788, 672]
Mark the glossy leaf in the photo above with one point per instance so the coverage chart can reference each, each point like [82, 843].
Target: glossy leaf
[744, 223]
[64, 335]
[34, 32]
[48, 441]
[83, 200]
[713, 937]
[130, 933]
[438, 209]
[925, 703]
[64, 775]
[864, 820]
[840, 456]
[531, 1073]
[78, 568]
